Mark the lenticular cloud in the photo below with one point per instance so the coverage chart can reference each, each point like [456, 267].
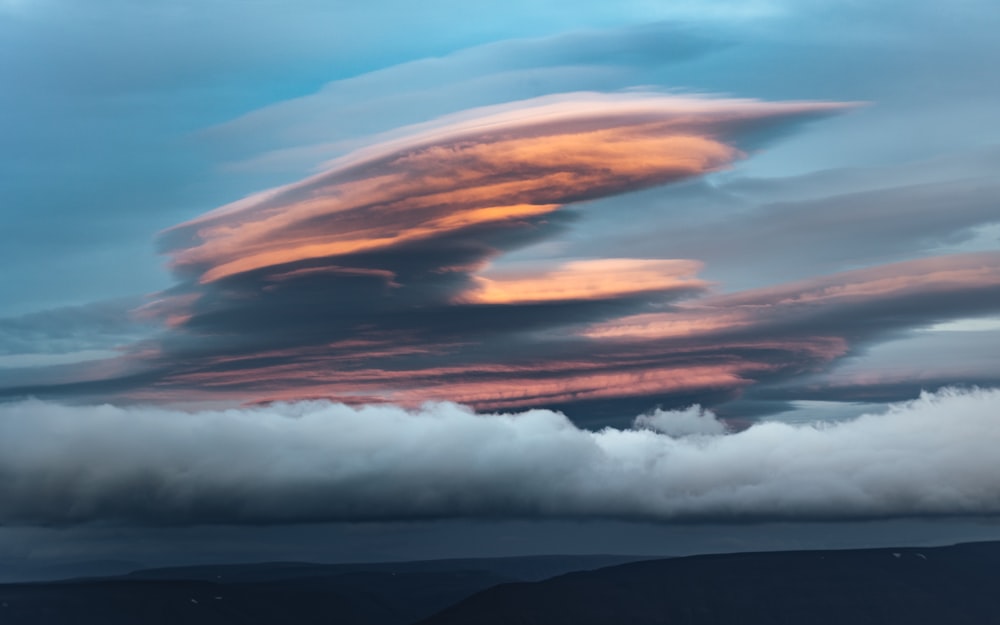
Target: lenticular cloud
[320, 461]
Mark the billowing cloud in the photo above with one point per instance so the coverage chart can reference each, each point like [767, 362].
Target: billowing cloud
[318, 461]
[678, 423]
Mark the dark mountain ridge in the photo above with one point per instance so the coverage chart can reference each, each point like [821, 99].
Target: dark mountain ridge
[524, 568]
[381, 593]
[914, 586]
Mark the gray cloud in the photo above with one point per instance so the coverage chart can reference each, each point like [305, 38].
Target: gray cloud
[745, 229]
[100, 325]
[846, 230]
[902, 367]
[312, 462]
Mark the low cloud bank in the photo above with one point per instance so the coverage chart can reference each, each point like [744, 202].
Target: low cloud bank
[320, 461]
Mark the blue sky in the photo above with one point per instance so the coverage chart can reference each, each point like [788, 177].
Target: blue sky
[146, 114]
[784, 212]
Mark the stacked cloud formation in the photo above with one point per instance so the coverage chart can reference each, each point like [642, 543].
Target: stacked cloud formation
[384, 277]
[378, 279]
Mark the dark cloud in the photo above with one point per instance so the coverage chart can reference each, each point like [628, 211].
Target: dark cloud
[315, 462]
[705, 350]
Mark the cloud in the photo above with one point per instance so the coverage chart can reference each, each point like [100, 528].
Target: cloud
[318, 461]
[291, 133]
[676, 423]
[378, 279]
[745, 229]
[96, 326]
[927, 358]
[384, 277]
[856, 304]
[419, 302]
[493, 166]
[838, 231]
[586, 279]
[705, 349]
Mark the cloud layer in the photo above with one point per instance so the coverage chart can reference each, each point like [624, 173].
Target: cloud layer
[318, 461]
[493, 166]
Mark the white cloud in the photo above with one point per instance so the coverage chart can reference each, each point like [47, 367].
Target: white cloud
[313, 461]
[978, 324]
[690, 421]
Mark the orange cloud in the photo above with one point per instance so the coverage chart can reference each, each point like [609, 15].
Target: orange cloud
[501, 388]
[513, 164]
[585, 279]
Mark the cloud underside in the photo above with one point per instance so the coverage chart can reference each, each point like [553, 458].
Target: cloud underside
[591, 357]
[320, 461]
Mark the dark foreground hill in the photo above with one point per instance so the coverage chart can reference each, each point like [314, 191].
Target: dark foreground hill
[941, 586]
[945, 586]
[278, 593]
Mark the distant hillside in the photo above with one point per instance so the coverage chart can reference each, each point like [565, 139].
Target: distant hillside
[276, 593]
[14, 570]
[522, 568]
[939, 586]
[944, 586]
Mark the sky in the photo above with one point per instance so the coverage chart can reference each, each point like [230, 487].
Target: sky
[727, 274]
